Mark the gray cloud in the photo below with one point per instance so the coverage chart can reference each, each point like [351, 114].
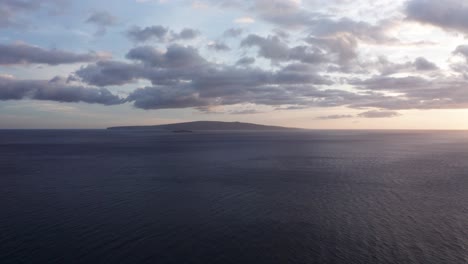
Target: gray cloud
[283, 13]
[462, 50]
[342, 47]
[386, 67]
[422, 64]
[160, 34]
[218, 46]
[245, 112]
[180, 77]
[233, 32]
[103, 20]
[401, 84]
[448, 14]
[175, 56]
[160, 98]
[333, 117]
[25, 54]
[186, 34]
[415, 93]
[273, 48]
[10, 9]
[55, 90]
[106, 73]
[144, 34]
[378, 114]
[245, 61]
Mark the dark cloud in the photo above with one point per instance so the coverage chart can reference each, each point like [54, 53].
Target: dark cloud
[160, 34]
[386, 67]
[161, 98]
[180, 78]
[447, 14]
[25, 54]
[174, 57]
[245, 61]
[55, 90]
[186, 34]
[415, 93]
[462, 50]
[342, 48]
[378, 114]
[270, 47]
[144, 34]
[300, 73]
[106, 73]
[218, 46]
[422, 64]
[273, 48]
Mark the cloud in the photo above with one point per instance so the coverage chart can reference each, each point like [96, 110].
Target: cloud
[160, 34]
[448, 14]
[233, 32]
[287, 13]
[11, 9]
[174, 57]
[244, 112]
[139, 34]
[181, 78]
[273, 48]
[414, 92]
[21, 53]
[160, 98]
[103, 20]
[333, 117]
[245, 61]
[378, 114]
[364, 31]
[422, 64]
[54, 90]
[218, 46]
[386, 67]
[186, 34]
[105, 73]
[462, 50]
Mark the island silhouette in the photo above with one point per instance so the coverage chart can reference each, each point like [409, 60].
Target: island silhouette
[187, 127]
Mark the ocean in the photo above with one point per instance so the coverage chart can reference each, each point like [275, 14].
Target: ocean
[98, 196]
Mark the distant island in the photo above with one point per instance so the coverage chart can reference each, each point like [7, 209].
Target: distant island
[188, 127]
[182, 131]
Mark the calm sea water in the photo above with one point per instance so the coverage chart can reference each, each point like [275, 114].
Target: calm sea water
[297, 197]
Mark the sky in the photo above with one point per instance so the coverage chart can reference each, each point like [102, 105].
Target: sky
[319, 64]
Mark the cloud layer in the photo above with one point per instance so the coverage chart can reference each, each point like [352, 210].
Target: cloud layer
[11, 54]
[295, 55]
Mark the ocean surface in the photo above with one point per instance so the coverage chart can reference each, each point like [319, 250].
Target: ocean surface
[97, 196]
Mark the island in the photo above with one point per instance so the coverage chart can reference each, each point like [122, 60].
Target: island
[182, 131]
[188, 127]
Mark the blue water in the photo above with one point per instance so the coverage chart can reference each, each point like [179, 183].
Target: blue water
[101, 196]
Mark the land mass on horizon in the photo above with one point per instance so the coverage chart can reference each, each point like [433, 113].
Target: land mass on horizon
[206, 126]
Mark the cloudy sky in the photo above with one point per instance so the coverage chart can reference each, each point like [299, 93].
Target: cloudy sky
[305, 63]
